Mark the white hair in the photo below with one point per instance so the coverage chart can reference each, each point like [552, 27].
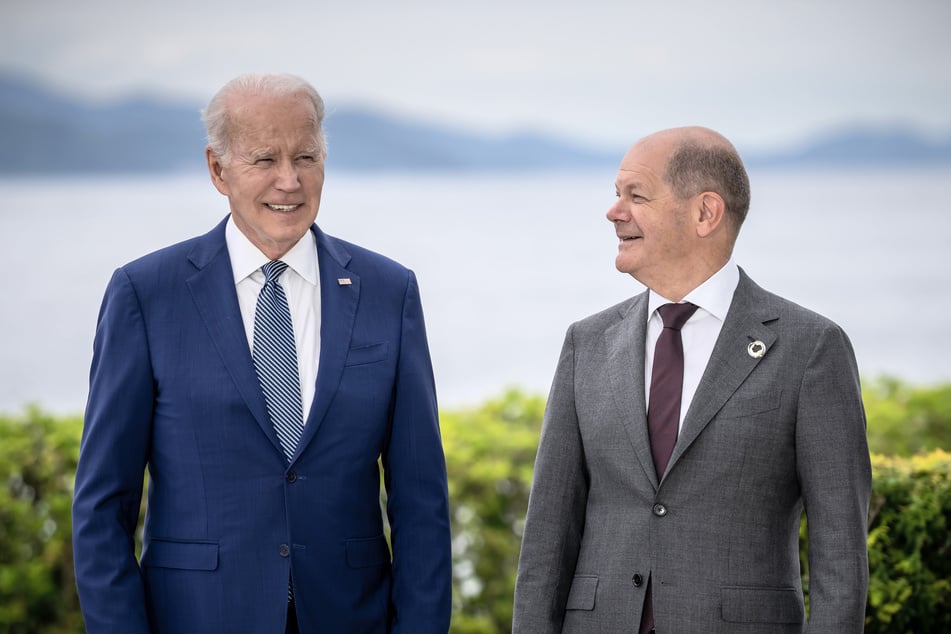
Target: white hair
[218, 115]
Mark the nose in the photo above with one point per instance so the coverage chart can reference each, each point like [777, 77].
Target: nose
[287, 178]
[617, 212]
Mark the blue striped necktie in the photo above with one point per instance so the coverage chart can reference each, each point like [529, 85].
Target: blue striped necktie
[275, 359]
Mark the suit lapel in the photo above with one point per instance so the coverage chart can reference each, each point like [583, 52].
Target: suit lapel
[338, 311]
[213, 291]
[730, 363]
[625, 351]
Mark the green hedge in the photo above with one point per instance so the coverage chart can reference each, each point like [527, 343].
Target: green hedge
[490, 451]
[910, 545]
[907, 419]
[37, 461]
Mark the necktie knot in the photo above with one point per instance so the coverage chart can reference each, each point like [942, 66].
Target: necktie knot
[273, 270]
[676, 315]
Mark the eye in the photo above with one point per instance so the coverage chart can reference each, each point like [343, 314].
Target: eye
[263, 161]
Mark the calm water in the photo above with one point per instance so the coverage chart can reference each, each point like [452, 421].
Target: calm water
[505, 263]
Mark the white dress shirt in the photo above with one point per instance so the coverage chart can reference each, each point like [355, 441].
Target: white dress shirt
[301, 285]
[699, 334]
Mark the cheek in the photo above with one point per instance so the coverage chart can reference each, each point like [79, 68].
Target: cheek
[249, 183]
[315, 183]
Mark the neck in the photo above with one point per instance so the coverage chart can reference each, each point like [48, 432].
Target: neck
[676, 283]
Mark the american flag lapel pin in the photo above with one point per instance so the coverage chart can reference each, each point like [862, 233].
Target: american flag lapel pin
[344, 281]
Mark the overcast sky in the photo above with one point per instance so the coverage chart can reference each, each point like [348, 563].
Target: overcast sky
[597, 71]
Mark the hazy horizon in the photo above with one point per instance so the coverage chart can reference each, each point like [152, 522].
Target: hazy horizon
[602, 73]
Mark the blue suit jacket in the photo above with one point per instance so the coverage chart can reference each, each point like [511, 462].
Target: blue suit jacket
[173, 389]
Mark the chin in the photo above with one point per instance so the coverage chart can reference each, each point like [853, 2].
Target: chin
[622, 265]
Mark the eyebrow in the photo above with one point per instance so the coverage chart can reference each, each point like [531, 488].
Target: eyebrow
[267, 152]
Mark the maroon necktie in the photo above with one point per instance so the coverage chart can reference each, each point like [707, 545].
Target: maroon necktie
[667, 384]
[663, 409]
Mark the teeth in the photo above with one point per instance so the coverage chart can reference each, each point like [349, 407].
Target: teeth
[283, 207]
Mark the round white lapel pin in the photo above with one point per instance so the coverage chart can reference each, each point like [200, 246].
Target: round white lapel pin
[756, 349]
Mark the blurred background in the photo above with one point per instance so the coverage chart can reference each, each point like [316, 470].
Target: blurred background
[478, 144]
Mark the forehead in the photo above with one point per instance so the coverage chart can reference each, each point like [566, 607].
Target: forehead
[643, 166]
[267, 120]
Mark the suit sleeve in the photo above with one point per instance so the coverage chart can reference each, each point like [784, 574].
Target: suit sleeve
[556, 511]
[417, 492]
[111, 467]
[835, 477]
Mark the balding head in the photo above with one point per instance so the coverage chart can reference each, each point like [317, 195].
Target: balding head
[698, 160]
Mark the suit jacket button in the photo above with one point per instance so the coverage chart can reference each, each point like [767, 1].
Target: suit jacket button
[659, 510]
[284, 550]
[292, 476]
[637, 580]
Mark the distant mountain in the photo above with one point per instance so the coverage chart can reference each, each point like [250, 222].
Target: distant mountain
[363, 139]
[44, 132]
[863, 146]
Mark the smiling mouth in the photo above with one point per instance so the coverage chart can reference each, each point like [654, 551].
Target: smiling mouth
[281, 208]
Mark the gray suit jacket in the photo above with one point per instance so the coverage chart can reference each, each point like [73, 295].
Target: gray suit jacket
[763, 439]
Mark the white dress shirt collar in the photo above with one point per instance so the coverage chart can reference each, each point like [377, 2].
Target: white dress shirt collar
[246, 258]
[714, 296]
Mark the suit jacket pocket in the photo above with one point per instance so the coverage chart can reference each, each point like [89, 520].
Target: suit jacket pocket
[363, 553]
[362, 355]
[582, 593]
[743, 604]
[743, 407]
[162, 553]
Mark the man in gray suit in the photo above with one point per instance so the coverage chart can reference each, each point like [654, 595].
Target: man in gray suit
[693, 528]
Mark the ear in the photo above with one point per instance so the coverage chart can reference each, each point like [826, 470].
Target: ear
[711, 213]
[216, 170]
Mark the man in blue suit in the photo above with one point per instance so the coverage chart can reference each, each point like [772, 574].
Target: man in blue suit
[262, 373]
